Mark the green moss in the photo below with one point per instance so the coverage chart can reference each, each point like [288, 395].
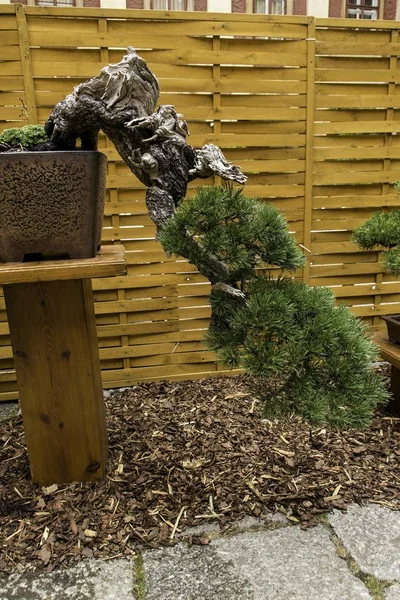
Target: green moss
[139, 578]
[376, 587]
[24, 137]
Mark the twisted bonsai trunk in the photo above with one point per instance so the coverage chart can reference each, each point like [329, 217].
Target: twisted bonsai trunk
[121, 101]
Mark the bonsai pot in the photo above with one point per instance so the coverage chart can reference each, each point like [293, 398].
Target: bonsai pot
[393, 327]
[51, 204]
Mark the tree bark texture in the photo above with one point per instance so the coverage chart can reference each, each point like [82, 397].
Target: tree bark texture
[121, 101]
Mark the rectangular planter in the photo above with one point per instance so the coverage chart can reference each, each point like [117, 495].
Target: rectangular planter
[393, 327]
[51, 203]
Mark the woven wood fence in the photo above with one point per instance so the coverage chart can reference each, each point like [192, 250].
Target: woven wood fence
[310, 110]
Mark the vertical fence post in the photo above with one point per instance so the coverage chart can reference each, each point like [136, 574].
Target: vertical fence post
[216, 71]
[113, 194]
[26, 64]
[308, 187]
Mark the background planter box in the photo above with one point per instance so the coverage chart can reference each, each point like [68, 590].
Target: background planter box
[393, 327]
[51, 203]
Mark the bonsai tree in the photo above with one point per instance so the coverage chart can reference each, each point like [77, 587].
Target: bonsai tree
[382, 230]
[303, 354]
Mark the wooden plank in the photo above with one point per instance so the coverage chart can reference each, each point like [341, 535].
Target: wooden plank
[206, 23]
[156, 372]
[58, 371]
[358, 127]
[26, 65]
[266, 101]
[359, 166]
[9, 38]
[356, 24]
[231, 86]
[356, 178]
[355, 75]
[11, 99]
[110, 261]
[359, 49]
[170, 57]
[209, 114]
[10, 53]
[12, 67]
[11, 112]
[12, 84]
[357, 102]
[262, 128]
[351, 153]
[343, 115]
[352, 62]
[346, 269]
[308, 187]
[7, 22]
[348, 35]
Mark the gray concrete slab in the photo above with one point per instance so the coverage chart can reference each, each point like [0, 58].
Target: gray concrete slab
[8, 410]
[393, 593]
[372, 536]
[192, 573]
[291, 564]
[89, 580]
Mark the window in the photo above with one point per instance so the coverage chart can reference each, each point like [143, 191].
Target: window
[269, 7]
[362, 9]
[55, 3]
[173, 4]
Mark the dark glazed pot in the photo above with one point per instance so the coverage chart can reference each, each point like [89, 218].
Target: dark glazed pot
[393, 327]
[51, 203]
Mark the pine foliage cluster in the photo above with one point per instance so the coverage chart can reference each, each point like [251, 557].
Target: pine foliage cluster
[303, 354]
[382, 230]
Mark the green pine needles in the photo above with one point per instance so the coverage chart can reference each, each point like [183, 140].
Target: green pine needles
[303, 355]
[382, 230]
[222, 229]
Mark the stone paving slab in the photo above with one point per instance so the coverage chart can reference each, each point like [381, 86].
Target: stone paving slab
[372, 536]
[89, 580]
[284, 564]
[195, 573]
[291, 564]
[393, 593]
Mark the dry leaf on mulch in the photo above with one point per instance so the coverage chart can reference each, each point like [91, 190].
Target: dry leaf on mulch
[182, 454]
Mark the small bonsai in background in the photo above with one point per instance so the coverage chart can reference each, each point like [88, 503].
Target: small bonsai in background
[303, 354]
[382, 230]
[27, 138]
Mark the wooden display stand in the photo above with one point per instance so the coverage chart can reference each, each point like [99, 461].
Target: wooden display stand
[391, 353]
[53, 334]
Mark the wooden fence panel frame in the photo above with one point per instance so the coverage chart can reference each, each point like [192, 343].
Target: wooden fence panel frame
[309, 108]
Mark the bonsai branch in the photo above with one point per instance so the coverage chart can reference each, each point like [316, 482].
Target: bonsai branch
[121, 102]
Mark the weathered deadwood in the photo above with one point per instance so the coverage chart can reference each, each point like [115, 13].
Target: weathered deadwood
[121, 101]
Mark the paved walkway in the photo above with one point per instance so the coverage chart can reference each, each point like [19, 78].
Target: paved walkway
[349, 556]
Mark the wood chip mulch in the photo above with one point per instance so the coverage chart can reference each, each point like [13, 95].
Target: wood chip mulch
[182, 454]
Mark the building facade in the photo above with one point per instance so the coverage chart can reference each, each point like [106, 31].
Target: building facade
[354, 9]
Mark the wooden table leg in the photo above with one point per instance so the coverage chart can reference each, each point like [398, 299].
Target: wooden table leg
[394, 405]
[53, 336]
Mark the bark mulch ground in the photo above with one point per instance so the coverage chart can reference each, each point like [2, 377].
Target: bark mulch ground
[182, 454]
